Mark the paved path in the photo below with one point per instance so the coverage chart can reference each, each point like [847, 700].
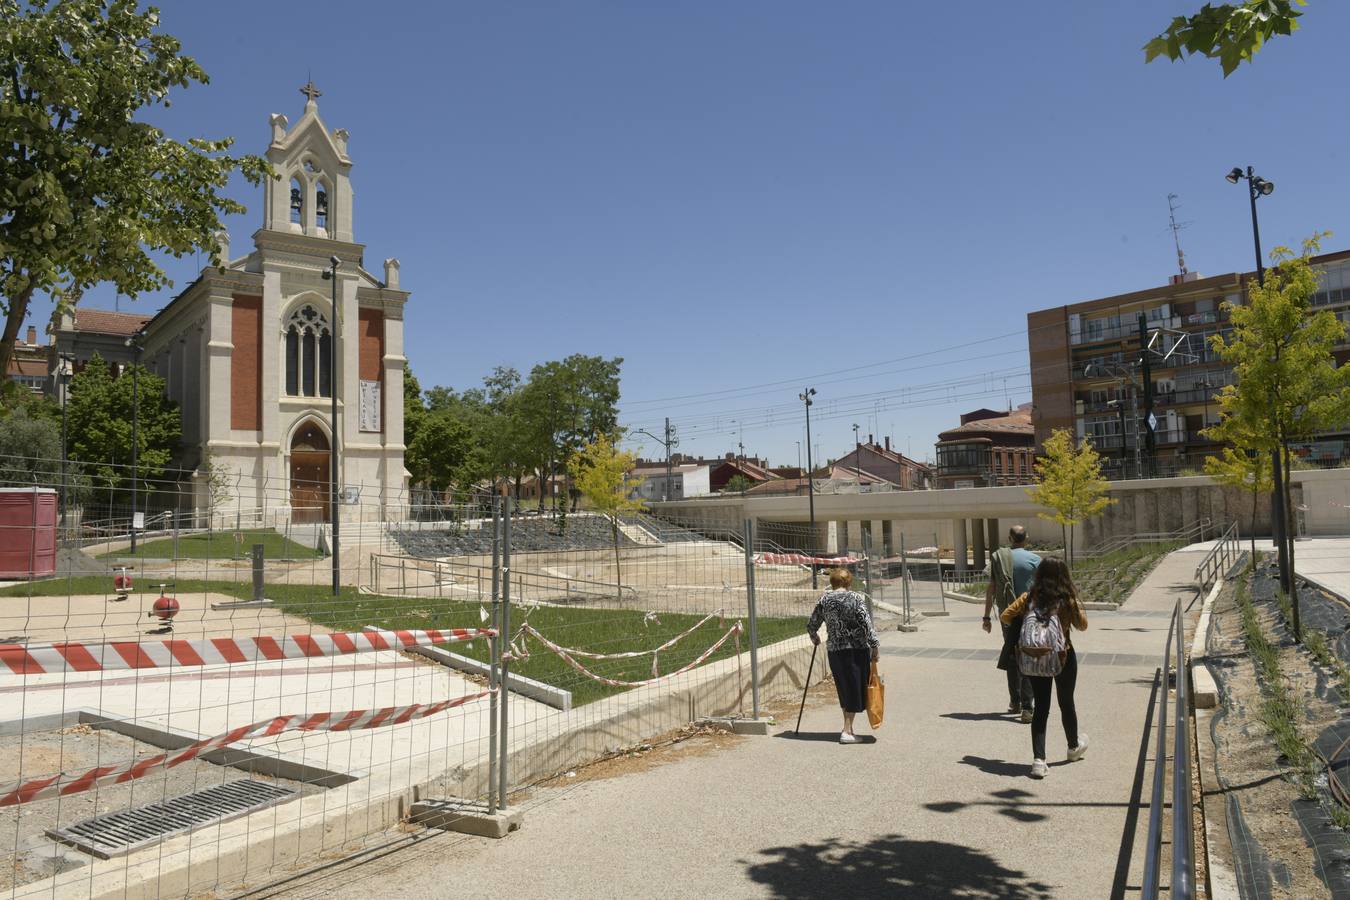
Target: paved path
[940, 805]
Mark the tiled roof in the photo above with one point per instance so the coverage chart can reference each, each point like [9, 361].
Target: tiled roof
[105, 321]
[1016, 422]
[27, 365]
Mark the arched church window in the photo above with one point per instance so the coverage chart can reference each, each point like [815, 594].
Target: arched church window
[297, 202]
[309, 354]
[292, 361]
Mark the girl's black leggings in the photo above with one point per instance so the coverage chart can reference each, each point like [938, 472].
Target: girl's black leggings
[1040, 689]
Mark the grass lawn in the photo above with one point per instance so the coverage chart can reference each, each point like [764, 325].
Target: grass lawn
[218, 545]
[597, 630]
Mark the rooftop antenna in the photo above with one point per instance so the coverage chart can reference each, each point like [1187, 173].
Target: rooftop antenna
[1176, 227]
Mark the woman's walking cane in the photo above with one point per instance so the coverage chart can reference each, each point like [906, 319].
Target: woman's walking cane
[806, 687]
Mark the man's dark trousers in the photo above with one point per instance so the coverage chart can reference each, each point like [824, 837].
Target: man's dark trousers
[1019, 685]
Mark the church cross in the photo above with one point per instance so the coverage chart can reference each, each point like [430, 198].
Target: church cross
[310, 91]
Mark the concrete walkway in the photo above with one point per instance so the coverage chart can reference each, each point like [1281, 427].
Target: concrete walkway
[940, 805]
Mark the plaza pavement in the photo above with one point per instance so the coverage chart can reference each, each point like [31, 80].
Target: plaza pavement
[940, 805]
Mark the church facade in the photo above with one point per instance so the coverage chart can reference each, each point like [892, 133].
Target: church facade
[254, 349]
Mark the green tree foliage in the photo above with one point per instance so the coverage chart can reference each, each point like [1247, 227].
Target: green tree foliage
[1230, 32]
[30, 450]
[88, 192]
[600, 470]
[99, 428]
[738, 484]
[1069, 484]
[1244, 464]
[1288, 385]
[444, 452]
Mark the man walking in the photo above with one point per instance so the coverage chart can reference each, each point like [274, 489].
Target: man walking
[1010, 572]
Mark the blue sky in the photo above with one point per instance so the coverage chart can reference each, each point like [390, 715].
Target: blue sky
[742, 198]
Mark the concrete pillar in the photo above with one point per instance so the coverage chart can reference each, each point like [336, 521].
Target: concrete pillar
[865, 538]
[977, 538]
[888, 545]
[959, 543]
[991, 527]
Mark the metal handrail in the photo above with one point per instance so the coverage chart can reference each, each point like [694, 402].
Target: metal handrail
[1219, 557]
[1182, 883]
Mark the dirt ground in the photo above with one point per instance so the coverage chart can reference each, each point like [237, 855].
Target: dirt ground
[1248, 760]
[104, 617]
[26, 853]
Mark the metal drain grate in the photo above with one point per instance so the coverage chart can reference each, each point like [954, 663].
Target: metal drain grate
[121, 832]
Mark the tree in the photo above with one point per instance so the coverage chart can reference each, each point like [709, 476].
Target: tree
[1241, 466]
[443, 451]
[600, 470]
[562, 406]
[1070, 484]
[1288, 385]
[99, 412]
[88, 192]
[738, 483]
[1231, 32]
[219, 485]
[30, 450]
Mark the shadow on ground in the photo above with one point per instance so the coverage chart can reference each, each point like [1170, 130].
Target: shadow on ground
[981, 717]
[831, 737]
[889, 866]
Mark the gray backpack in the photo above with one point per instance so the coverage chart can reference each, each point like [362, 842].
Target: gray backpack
[1042, 647]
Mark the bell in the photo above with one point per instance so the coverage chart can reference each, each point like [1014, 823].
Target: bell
[321, 203]
[296, 202]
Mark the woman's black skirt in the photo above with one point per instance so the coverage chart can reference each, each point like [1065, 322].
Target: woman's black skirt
[851, 669]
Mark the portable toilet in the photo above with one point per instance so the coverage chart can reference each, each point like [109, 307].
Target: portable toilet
[27, 533]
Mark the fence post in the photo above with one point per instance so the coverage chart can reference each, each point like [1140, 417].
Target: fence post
[867, 566]
[754, 618]
[494, 655]
[505, 677]
[904, 574]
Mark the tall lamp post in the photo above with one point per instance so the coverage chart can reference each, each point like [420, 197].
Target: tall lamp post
[1259, 187]
[857, 455]
[64, 363]
[668, 442]
[330, 274]
[805, 396]
[134, 343]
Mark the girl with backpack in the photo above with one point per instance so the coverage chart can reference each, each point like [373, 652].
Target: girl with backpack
[1045, 654]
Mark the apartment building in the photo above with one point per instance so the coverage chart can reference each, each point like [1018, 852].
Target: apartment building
[1088, 370]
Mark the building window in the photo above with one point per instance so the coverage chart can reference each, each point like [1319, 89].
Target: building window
[309, 354]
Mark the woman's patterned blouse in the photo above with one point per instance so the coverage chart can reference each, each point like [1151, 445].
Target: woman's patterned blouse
[845, 615]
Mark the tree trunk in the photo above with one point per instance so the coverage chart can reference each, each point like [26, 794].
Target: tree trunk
[1289, 535]
[18, 311]
[1063, 539]
[618, 572]
[1256, 496]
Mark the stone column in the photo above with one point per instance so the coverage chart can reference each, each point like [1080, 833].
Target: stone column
[977, 538]
[865, 539]
[959, 544]
[888, 546]
[992, 527]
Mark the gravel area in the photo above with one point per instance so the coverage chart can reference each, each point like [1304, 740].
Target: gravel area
[26, 853]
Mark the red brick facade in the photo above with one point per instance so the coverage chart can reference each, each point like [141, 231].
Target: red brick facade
[370, 339]
[246, 364]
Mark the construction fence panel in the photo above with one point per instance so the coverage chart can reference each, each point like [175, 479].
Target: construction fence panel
[187, 716]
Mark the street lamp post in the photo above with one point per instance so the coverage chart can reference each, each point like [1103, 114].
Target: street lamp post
[805, 396]
[857, 455]
[1259, 187]
[134, 343]
[330, 274]
[667, 442]
[63, 380]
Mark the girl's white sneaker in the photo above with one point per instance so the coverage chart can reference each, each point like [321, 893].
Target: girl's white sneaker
[1039, 769]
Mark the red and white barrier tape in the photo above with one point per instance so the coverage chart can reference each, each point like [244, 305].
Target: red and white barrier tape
[61, 785]
[801, 559]
[567, 655]
[78, 656]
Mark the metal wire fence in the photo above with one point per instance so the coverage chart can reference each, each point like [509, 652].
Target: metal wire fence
[207, 712]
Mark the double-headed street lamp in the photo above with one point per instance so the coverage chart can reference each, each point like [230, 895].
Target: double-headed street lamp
[805, 396]
[1259, 187]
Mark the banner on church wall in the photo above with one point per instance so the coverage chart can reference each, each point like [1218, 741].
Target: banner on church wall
[370, 406]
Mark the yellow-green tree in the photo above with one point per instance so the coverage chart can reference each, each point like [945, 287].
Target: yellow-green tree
[600, 471]
[1069, 484]
[1244, 464]
[1288, 384]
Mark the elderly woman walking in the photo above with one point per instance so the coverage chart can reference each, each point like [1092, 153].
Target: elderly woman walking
[853, 644]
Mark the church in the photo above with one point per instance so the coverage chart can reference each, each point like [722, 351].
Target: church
[254, 348]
